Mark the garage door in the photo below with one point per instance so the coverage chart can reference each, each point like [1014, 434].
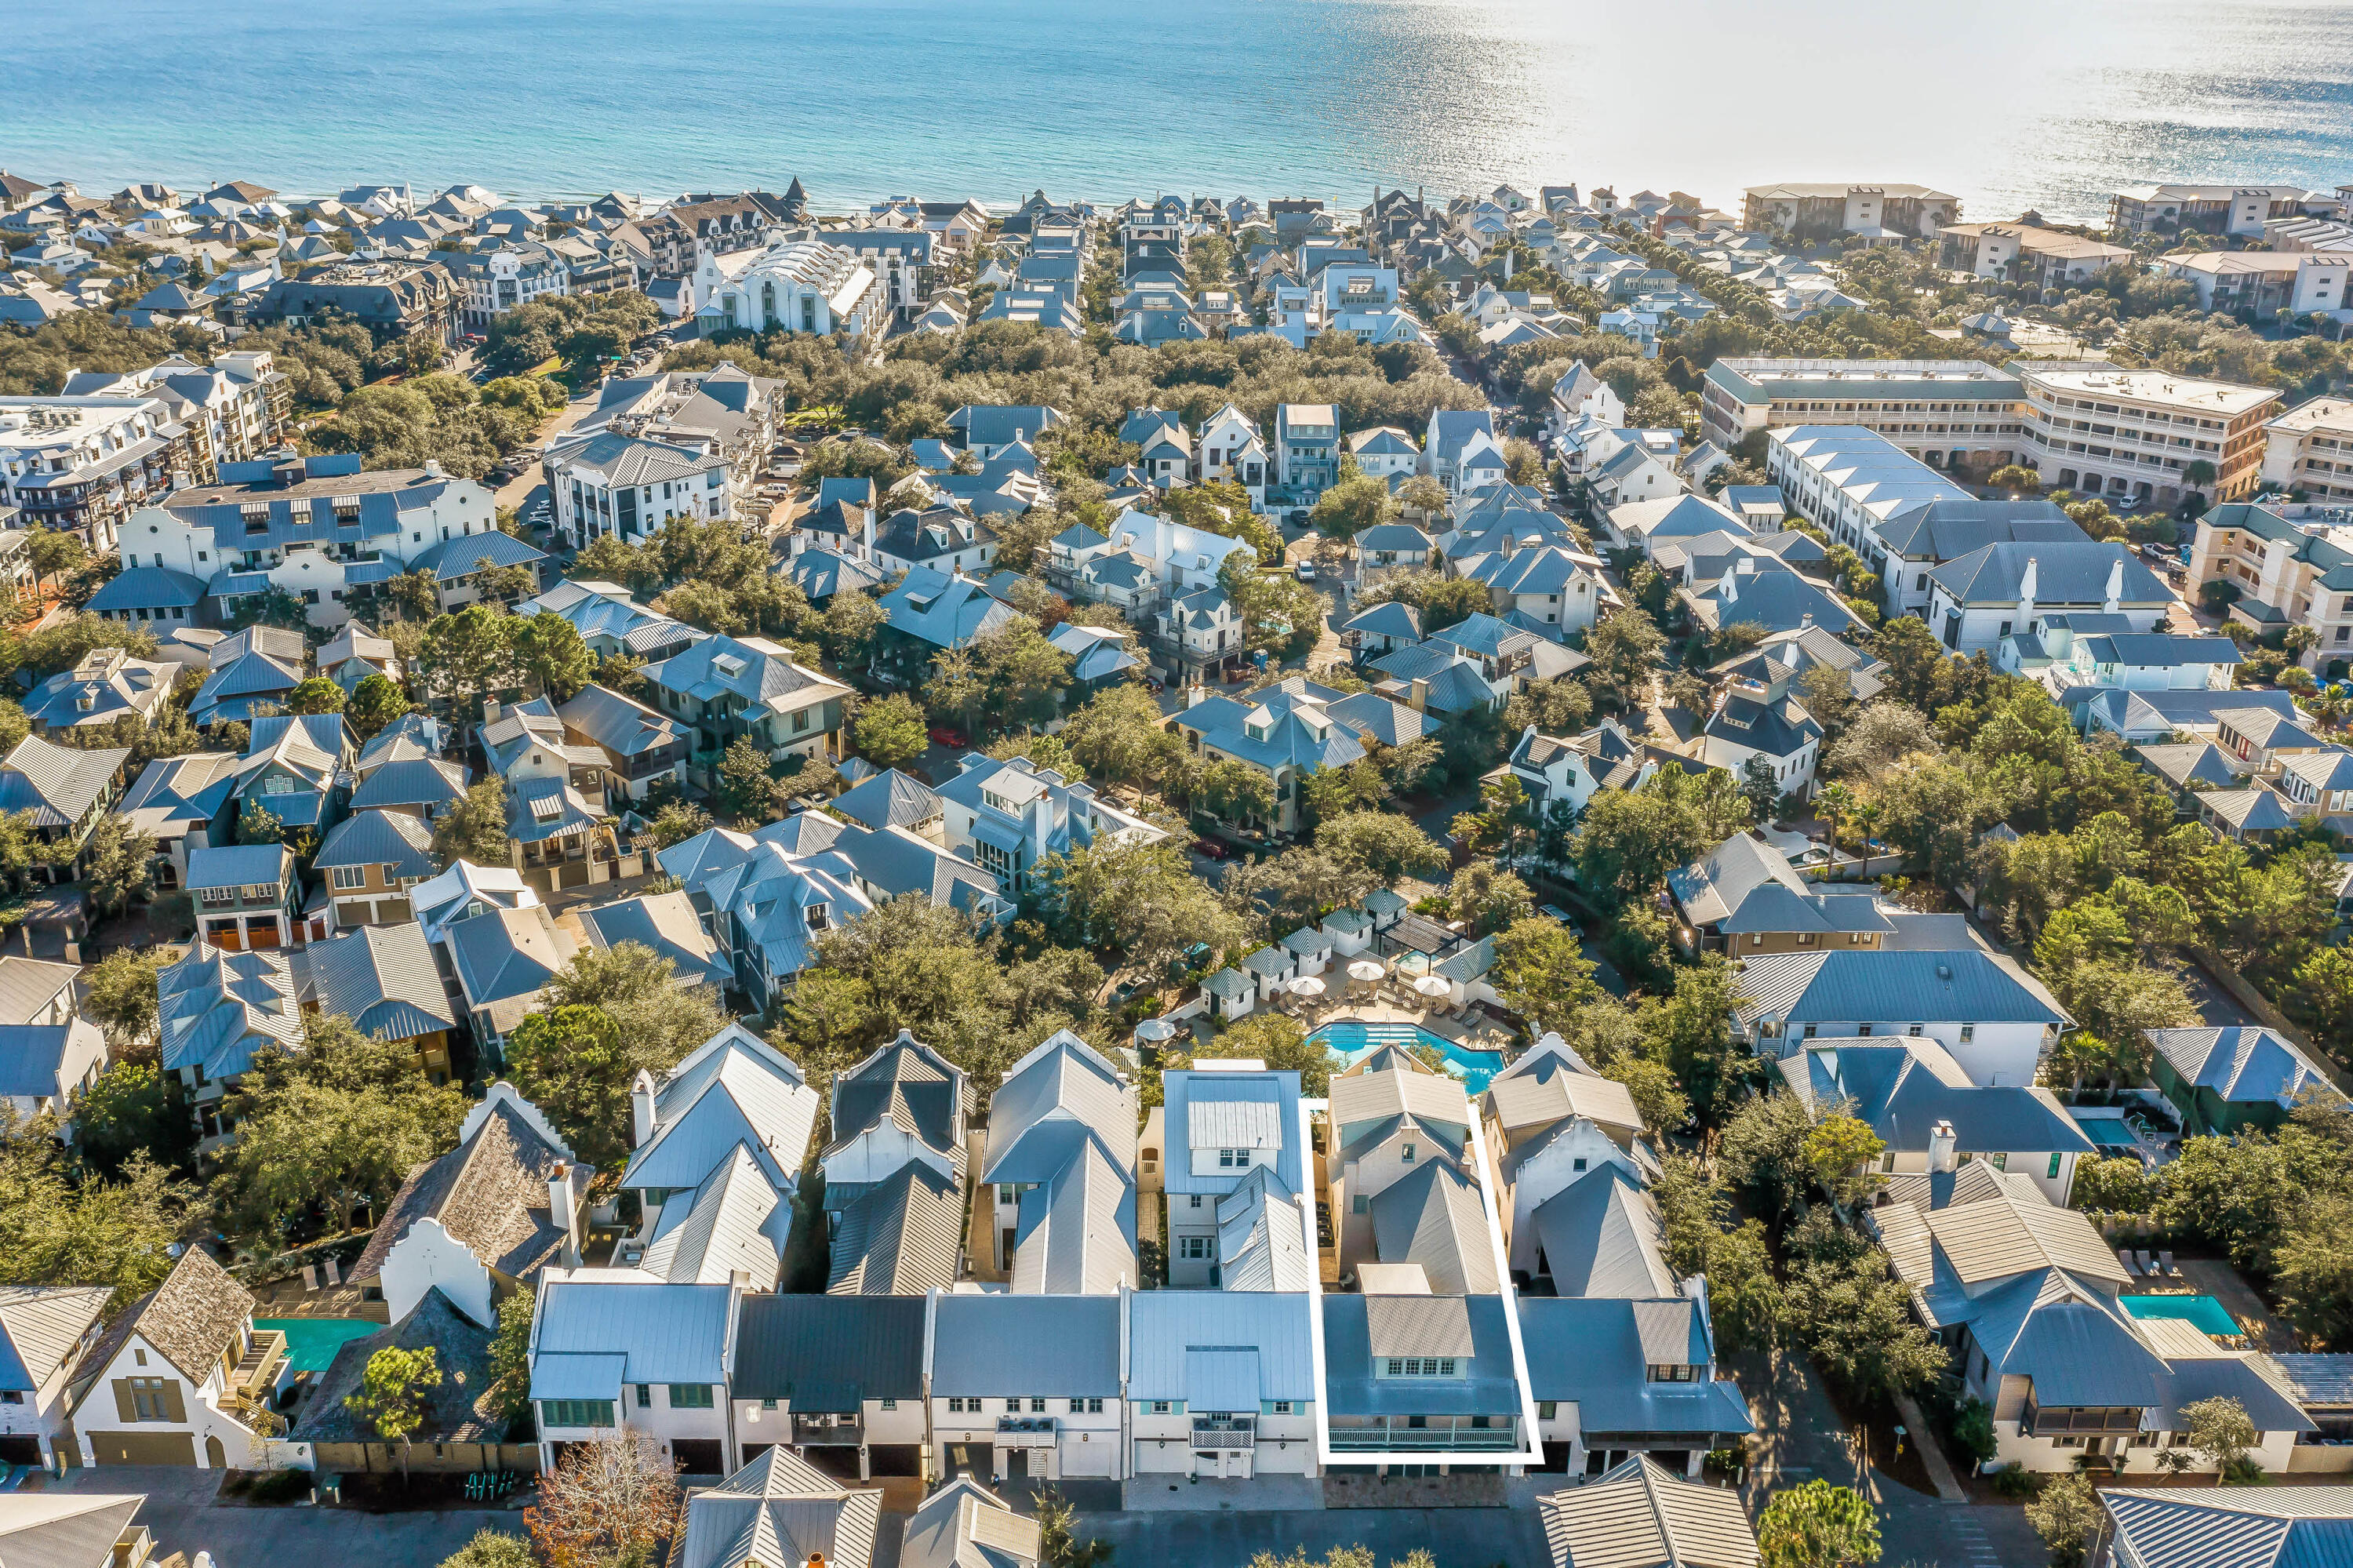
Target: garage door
[143, 1447]
[20, 1450]
[1089, 1458]
[698, 1455]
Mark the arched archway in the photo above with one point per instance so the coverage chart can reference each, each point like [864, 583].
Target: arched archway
[215, 1458]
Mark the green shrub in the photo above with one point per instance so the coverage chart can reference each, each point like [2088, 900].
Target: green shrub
[280, 1486]
[2015, 1482]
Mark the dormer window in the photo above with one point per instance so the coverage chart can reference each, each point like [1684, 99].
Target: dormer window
[819, 916]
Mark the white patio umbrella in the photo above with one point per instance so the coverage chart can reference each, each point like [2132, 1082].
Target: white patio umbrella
[1366, 969]
[1156, 1030]
[1308, 986]
[1430, 985]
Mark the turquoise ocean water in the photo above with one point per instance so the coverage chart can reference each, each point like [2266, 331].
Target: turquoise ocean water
[2011, 103]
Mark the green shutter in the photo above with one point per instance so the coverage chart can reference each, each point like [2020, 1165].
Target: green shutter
[125, 1406]
[174, 1410]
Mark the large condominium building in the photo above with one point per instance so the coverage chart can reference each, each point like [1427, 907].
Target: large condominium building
[1948, 413]
[394, 300]
[1820, 211]
[234, 409]
[2022, 253]
[2098, 429]
[791, 285]
[2309, 449]
[81, 464]
[2260, 284]
[2292, 566]
[2209, 209]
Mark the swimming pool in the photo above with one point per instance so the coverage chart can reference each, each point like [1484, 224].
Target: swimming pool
[311, 1342]
[1351, 1039]
[2108, 1131]
[2203, 1313]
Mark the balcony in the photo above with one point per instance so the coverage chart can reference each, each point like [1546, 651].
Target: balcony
[265, 1351]
[1026, 1432]
[1210, 1435]
[1433, 1439]
[819, 1431]
[132, 1549]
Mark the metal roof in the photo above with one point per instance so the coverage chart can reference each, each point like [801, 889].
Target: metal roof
[1165, 1327]
[1003, 1345]
[830, 1353]
[662, 1333]
[1637, 1515]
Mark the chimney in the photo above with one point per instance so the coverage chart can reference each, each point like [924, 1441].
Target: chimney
[1805, 622]
[2115, 586]
[563, 1212]
[867, 535]
[1942, 1148]
[1418, 701]
[1194, 695]
[641, 1109]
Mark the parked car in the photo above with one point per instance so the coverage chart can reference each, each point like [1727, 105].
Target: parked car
[1298, 518]
[1554, 912]
[1210, 848]
[955, 738]
[1304, 571]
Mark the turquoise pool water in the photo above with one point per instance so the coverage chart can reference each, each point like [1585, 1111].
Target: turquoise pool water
[2201, 1312]
[1350, 1039]
[2107, 1132]
[311, 1342]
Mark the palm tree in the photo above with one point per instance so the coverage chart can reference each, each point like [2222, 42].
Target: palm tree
[1834, 801]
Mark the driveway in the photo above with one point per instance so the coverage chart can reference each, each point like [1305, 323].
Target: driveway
[1799, 1438]
[180, 1513]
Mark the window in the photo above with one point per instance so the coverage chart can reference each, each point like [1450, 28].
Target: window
[1405, 1154]
[1086, 1407]
[1671, 1374]
[887, 1403]
[1194, 1200]
[645, 1397]
[1193, 1246]
[1162, 1407]
[1810, 1032]
[349, 876]
[2052, 1174]
[1231, 1159]
[1012, 1407]
[1546, 1409]
[1278, 1408]
[955, 1407]
[1863, 1030]
[1037, 1405]
[147, 1400]
[1360, 1204]
[767, 1405]
[1914, 1030]
[575, 1413]
[690, 1396]
[1968, 1032]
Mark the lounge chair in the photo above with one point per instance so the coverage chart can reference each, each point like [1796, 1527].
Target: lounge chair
[2127, 1259]
[2164, 1261]
[2147, 1264]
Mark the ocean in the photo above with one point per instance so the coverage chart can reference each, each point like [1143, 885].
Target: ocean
[2011, 104]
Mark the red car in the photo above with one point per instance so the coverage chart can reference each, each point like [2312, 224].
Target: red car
[1210, 848]
[943, 735]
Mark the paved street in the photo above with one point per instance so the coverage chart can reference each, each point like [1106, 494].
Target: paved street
[1457, 1538]
[180, 1513]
